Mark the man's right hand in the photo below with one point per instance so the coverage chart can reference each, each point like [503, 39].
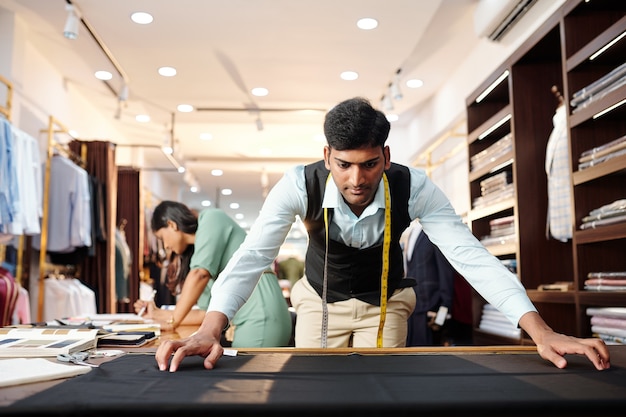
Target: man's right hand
[205, 342]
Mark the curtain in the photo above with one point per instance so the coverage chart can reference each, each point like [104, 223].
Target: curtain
[129, 210]
[98, 270]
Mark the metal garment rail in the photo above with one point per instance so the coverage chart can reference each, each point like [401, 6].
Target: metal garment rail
[54, 127]
[5, 111]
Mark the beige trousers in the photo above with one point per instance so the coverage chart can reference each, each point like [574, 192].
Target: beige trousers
[351, 323]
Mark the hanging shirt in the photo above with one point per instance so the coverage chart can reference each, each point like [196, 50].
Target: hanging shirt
[28, 169]
[69, 207]
[9, 197]
[558, 171]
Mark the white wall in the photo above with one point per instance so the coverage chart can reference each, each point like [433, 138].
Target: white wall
[40, 91]
[447, 106]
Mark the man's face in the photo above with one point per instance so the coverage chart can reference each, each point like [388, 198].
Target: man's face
[357, 173]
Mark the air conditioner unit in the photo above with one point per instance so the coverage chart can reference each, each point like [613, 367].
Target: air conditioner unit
[494, 18]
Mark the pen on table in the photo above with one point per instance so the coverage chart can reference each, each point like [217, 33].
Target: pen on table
[143, 309]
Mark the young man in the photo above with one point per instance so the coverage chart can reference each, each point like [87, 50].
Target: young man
[354, 254]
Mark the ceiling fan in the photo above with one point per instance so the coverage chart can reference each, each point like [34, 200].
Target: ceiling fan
[251, 106]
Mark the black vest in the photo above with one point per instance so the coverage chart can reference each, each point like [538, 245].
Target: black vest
[352, 272]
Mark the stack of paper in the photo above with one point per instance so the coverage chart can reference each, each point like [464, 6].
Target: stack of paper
[44, 342]
[19, 371]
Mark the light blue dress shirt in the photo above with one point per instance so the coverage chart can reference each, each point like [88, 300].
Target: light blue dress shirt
[427, 203]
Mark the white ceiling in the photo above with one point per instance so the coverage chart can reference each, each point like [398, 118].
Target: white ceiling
[221, 49]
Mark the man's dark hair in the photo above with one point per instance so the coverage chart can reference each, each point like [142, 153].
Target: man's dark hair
[354, 124]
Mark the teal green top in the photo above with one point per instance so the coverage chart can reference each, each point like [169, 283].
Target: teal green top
[217, 238]
[264, 320]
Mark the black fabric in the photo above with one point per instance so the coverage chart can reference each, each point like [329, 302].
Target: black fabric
[352, 272]
[281, 384]
[75, 257]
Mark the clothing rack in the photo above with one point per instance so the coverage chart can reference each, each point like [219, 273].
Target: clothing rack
[5, 110]
[54, 148]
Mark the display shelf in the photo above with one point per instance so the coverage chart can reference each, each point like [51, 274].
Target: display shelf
[595, 109]
[561, 53]
[602, 298]
[601, 234]
[495, 208]
[584, 21]
[495, 164]
[493, 128]
[488, 102]
[590, 28]
[506, 248]
[611, 33]
[557, 297]
[615, 166]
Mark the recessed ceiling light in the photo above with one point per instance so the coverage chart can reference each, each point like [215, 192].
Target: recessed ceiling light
[206, 136]
[103, 75]
[391, 117]
[167, 71]
[349, 75]
[227, 191]
[239, 216]
[205, 203]
[142, 18]
[142, 118]
[193, 189]
[217, 172]
[414, 83]
[234, 206]
[260, 91]
[367, 23]
[185, 108]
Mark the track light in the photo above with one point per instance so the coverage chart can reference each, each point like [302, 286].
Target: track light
[386, 103]
[123, 95]
[118, 111]
[394, 87]
[70, 31]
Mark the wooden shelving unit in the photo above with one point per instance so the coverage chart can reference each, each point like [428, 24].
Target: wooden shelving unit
[603, 248]
[517, 100]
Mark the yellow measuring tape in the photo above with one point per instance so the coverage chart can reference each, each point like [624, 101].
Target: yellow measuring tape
[383, 278]
[385, 272]
[325, 285]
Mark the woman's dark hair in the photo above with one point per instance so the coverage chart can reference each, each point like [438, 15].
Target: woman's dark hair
[187, 222]
[354, 124]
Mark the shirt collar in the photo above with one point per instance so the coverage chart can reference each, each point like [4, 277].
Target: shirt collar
[333, 199]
